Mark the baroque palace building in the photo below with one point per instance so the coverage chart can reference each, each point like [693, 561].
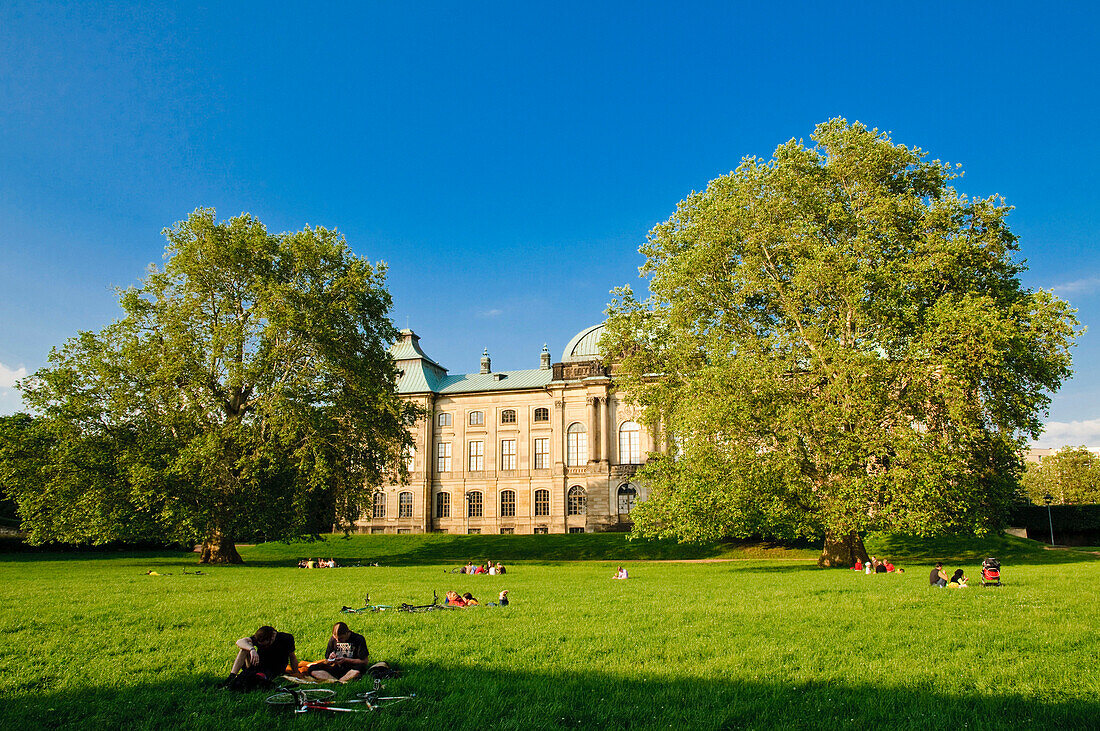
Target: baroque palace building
[548, 450]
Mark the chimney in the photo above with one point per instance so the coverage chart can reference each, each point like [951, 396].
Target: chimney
[485, 362]
[544, 359]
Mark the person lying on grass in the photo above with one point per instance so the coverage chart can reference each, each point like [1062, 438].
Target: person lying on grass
[266, 654]
[454, 600]
[470, 600]
[345, 656]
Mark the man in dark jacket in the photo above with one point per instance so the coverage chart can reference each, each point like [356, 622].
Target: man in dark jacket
[345, 656]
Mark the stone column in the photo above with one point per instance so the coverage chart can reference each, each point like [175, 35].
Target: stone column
[593, 445]
[607, 425]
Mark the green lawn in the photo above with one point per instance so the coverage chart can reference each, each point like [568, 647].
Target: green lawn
[89, 641]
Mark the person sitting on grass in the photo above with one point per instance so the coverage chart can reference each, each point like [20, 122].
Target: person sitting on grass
[500, 569]
[454, 600]
[938, 577]
[621, 574]
[880, 567]
[345, 656]
[504, 598]
[958, 580]
[889, 566]
[265, 654]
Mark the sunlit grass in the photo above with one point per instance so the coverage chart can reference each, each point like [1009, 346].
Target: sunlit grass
[93, 642]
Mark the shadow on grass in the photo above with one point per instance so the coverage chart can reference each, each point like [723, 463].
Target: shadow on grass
[471, 697]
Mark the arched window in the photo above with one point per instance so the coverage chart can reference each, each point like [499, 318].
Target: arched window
[508, 416]
[576, 445]
[542, 414]
[379, 503]
[405, 505]
[508, 504]
[477, 418]
[630, 449]
[627, 496]
[443, 505]
[542, 502]
[474, 506]
[444, 419]
[577, 501]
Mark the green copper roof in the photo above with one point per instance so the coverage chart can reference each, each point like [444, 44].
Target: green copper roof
[585, 345]
[421, 374]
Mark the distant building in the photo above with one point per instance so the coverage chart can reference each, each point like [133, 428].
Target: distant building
[1037, 455]
[548, 450]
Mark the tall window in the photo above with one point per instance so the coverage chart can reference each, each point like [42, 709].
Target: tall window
[474, 507]
[542, 453]
[508, 504]
[476, 452]
[443, 505]
[444, 419]
[627, 495]
[507, 454]
[379, 503]
[443, 457]
[577, 501]
[577, 445]
[542, 414]
[405, 505]
[508, 416]
[542, 502]
[410, 458]
[630, 450]
[477, 418]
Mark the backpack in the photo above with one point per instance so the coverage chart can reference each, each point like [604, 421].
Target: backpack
[249, 679]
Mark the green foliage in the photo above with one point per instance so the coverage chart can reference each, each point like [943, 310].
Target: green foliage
[246, 391]
[742, 644]
[836, 341]
[1070, 476]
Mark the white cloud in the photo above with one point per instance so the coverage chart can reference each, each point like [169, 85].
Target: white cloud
[1058, 434]
[490, 313]
[10, 399]
[1078, 286]
[8, 377]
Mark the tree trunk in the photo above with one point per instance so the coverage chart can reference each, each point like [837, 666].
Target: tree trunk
[219, 549]
[843, 551]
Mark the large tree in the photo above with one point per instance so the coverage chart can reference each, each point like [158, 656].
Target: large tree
[1070, 476]
[835, 341]
[246, 391]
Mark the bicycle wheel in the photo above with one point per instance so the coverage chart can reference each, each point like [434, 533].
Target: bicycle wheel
[292, 698]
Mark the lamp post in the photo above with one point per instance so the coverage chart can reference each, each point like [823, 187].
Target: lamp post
[1048, 498]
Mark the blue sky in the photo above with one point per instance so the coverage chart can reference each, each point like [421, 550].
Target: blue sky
[506, 161]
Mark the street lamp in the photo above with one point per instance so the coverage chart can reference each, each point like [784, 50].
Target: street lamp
[1048, 498]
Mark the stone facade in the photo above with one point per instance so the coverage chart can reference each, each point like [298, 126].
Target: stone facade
[550, 450]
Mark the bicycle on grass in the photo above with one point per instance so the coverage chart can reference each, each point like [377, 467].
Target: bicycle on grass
[304, 700]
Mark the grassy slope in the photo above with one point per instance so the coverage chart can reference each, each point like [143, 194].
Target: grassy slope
[94, 643]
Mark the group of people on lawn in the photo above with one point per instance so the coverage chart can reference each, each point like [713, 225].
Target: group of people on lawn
[938, 577]
[876, 566]
[321, 563]
[487, 568]
[270, 654]
[454, 599]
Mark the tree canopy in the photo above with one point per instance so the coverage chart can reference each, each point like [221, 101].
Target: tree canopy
[246, 391]
[836, 340]
[1070, 476]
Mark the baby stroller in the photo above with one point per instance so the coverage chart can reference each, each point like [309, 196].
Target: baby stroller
[991, 572]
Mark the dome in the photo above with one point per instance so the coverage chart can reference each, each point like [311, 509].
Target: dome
[585, 345]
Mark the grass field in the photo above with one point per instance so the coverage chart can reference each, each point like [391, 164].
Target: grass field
[767, 641]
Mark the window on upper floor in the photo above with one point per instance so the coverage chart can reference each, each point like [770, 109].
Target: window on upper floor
[630, 449]
[477, 418]
[542, 453]
[444, 419]
[476, 452]
[410, 458]
[508, 416]
[576, 445]
[542, 414]
[507, 454]
[443, 457]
